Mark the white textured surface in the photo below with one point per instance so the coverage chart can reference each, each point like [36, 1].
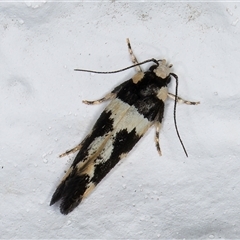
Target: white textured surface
[42, 116]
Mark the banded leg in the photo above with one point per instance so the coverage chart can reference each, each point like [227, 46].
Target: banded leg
[107, 97]
[73, 150]
[181, 100]
[134, 59]
[158, 126]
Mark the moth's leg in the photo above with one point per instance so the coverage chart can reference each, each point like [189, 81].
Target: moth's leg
[110, 95]
[158, 127]
[73, 150]
[180, 100]
[134, 59]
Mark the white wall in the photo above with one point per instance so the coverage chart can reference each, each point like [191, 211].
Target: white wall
[145, 196]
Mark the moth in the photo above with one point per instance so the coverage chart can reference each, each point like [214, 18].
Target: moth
[135, 106]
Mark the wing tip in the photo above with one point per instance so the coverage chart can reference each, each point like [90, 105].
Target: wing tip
[71, 192]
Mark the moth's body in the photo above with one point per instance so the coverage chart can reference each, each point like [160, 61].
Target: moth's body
[135, 106]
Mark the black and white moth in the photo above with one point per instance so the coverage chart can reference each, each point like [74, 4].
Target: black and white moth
[135, 106]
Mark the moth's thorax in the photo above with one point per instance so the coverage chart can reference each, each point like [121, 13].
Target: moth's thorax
[163, 70]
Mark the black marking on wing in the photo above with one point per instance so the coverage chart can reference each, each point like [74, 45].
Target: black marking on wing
[102, 127]
[70, 191]
[76, 183]
[142, 96]
[123, 143]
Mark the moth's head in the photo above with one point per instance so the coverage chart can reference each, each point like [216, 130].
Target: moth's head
[162, 70]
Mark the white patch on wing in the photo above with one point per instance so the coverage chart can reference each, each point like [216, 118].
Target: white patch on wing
[125, 117]
[95, 146]
[106, 152]
[88, 168]
[118, 109]
[100, 144]
[132, 119]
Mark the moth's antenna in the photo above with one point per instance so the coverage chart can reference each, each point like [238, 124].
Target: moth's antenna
[123, 69]
[174, 112]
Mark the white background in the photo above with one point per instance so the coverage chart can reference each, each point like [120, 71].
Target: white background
[145, 196]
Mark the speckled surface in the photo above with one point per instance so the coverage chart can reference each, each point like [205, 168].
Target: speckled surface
[42, 115]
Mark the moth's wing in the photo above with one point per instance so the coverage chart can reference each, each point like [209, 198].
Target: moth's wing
[84, 176]
[118, 129]
[73, 184]
[133, 125]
